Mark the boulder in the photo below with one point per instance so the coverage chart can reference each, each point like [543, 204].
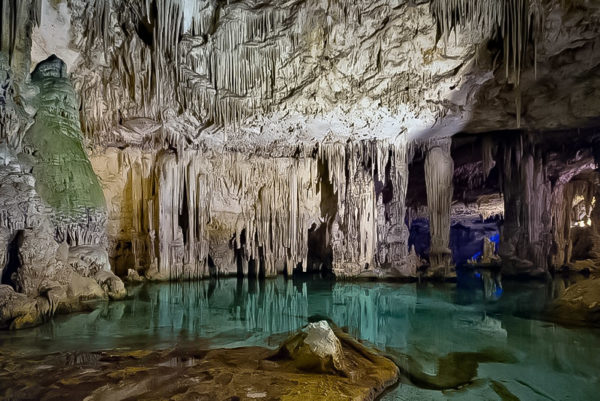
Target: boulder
[315, 349]
[83, 288]
[111, 284]
[17, 310]
[133, 276]
[88, 260]
[578, 304]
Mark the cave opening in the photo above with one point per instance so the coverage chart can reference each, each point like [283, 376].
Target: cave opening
[477, 206]
[416, 206]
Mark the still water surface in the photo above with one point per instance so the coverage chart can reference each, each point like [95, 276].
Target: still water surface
[425, 321]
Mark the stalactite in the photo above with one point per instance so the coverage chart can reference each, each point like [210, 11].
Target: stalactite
[220, 81]
[526, 235]
[189, 207]
[17, 18]
[487, 155]
[275, 236]
[366, 232]
[439, 171]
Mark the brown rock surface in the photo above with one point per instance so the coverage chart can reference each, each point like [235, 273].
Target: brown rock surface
[193, 374]
[578, 304]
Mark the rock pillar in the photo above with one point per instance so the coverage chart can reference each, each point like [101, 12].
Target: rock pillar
[439, 170]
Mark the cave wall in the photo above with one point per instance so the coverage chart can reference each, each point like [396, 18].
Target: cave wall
[539, 187]
[198, 214]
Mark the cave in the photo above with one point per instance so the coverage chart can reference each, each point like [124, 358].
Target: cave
[305, 200]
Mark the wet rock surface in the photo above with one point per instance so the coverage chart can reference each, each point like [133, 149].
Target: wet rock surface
[579, 304]
[201, 374]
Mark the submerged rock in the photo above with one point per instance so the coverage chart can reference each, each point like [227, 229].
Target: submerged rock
[201, 374]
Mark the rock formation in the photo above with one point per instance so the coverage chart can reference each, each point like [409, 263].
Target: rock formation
[195, 214]
[186, 139]
[240, 373]
[439, 169]
[52, 220]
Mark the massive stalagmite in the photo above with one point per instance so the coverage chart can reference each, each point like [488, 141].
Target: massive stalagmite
[53, 213]
[439, 171]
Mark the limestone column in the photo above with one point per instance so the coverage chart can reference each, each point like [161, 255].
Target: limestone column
[526, 235]
[439, 171]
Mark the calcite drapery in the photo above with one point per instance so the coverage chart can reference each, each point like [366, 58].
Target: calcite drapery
[194, 214]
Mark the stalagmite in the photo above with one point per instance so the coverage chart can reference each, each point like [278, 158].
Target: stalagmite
[53, 147]
[439, 171]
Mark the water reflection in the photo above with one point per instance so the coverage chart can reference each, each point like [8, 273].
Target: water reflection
[476, 285]
[424, 321]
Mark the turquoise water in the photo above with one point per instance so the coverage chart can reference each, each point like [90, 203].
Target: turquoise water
[425, 321]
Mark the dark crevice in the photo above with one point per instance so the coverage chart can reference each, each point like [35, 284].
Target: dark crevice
[320, 252]
[13, 261]
[212, 268]
[184, 217]
[239, 253]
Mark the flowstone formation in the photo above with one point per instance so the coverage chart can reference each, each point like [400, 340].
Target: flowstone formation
[52, 221]
[53, 148]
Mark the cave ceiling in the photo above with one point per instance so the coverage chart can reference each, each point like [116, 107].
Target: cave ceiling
[273, 73]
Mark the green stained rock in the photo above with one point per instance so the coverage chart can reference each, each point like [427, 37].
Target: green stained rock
[53, 145]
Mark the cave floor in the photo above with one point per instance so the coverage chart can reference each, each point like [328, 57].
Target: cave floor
[466, 340]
